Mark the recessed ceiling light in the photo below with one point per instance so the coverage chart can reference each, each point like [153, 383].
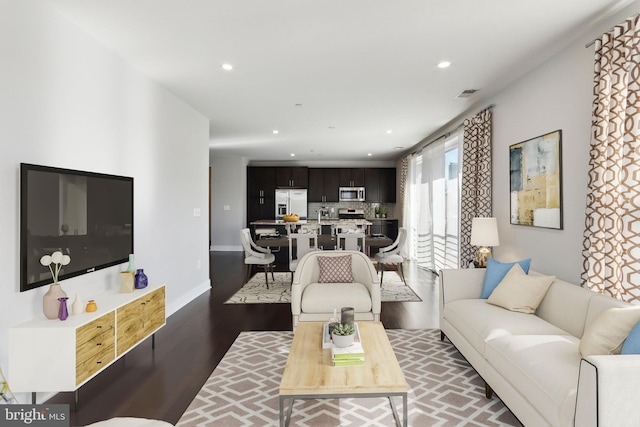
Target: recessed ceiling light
[444, 64]
[369, 154]
[293, 155]
[276, 131]
[398, 148]
[227, 67]
[389, 130]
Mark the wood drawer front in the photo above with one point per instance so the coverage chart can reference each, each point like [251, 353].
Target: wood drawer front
[154, 310]
[95, 346]
[130, 325]
[96, 362]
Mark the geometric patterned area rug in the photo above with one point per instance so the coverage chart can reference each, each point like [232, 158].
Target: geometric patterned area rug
[255, 290]
[443, 388]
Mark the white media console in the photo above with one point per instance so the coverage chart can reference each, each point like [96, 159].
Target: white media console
[54, 356]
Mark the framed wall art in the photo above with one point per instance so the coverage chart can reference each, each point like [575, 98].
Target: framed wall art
[536, 181]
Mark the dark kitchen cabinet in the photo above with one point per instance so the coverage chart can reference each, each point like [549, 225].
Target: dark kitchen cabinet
[380, 185]
[387, 185]
[351, 177]
[323, 185]
[297, 176]
[261, 192]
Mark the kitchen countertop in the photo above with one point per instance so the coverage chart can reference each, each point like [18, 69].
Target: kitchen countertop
[324, 221]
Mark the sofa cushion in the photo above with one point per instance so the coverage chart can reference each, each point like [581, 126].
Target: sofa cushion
[565, 305]
[519, 292]
[544, 367]
[325, 297]
[335, 269]
[478, 321]
[606, 334]
[496, 271]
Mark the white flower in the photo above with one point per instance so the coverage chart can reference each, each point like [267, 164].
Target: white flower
[55, 258]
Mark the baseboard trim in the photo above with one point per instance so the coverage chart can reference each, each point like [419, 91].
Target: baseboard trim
[188, 297]
[219, 248]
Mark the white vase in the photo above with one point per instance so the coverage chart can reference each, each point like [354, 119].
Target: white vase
[77, 307]
[50, 303]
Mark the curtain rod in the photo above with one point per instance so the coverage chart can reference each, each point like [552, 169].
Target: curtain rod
[592, 42]
[448, 134]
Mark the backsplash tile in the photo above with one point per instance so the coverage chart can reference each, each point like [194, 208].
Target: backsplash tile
[369, 208]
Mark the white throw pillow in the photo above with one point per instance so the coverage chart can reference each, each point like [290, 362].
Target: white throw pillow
[606, 334]
[520, 292]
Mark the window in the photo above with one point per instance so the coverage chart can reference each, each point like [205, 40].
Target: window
[433, 204]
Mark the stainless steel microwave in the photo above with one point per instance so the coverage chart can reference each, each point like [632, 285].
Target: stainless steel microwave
[351, 194]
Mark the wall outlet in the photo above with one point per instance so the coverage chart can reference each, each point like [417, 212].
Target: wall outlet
[227, 208]
[196, 212]
[199, 264]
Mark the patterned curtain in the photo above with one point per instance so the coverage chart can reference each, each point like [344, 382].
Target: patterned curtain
[475, 199]
[404, 171]
[611, 246]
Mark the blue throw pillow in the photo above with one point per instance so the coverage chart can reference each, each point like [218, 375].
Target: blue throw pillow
[496, 271]
[632, 343]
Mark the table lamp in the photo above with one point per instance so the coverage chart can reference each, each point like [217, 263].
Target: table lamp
[484, 233]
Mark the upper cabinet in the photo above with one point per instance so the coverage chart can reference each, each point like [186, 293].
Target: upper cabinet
[297, 176]
[261, 192]
[323, 185]
[380, 185]
[261, 182]
[351, 177]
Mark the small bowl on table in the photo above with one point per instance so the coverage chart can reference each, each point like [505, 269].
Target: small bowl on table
[291, 218]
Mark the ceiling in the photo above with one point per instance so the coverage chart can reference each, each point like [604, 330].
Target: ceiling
[337, 79]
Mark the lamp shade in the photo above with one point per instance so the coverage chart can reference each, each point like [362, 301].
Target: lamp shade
[484, 232]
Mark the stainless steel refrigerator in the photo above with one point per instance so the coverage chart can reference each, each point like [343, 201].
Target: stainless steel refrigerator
[291, 201]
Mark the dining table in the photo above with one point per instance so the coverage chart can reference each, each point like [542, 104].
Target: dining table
[325, 241]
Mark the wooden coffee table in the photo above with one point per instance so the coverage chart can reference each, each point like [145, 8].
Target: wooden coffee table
[310, 374]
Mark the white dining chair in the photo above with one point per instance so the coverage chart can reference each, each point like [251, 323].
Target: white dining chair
[391, 255]
[302, 243]
[351, 241]
[255, 255]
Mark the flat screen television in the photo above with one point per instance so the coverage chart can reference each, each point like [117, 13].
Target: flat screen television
[86, 215]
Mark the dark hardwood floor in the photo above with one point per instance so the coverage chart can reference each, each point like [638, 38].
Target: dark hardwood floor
[161, 383]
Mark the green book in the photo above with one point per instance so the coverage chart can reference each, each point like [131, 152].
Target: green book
[354, 351]
[349, 362]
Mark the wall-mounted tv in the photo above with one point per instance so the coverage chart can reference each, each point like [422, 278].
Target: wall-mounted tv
[86, 215]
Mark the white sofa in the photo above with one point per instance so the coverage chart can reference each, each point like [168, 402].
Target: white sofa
[533, 362]
[314, 302]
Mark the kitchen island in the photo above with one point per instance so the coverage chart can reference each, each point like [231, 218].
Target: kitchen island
[324, 221]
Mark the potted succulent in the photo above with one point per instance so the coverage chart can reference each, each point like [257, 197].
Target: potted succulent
[377, 211]
[343, 335]
[383, 211]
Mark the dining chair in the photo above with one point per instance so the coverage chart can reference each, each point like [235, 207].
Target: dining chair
[303, 243]
[255, 255]
[391, 255]
[351, 241]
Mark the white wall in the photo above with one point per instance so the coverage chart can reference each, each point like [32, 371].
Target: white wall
[68, 102]
[228, 188]
[557, 95]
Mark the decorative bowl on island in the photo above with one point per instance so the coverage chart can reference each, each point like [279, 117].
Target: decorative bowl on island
[291, 217]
